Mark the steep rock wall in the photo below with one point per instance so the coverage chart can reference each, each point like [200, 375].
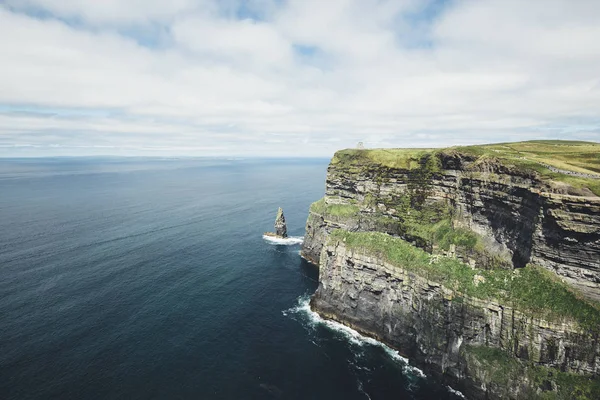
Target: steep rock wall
[433, 325]
[521, 217]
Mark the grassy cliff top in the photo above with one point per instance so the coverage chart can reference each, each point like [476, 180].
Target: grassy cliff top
[582, 157]
[573, 162]
[393, 158]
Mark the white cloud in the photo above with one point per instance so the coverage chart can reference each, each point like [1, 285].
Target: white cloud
[242, 41]
[305, 78]
[112, 11]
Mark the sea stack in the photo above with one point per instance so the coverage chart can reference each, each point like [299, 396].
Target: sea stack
[280, 228]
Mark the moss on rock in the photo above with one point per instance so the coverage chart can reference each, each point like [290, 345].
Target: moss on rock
[502, 372]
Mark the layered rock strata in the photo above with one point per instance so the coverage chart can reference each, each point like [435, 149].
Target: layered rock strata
[520, 218]
[431, 324]
[523, 219]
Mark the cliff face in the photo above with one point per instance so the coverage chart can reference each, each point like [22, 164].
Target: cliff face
[523, 219]
[490, 215]
[433, 325]
[567, 240]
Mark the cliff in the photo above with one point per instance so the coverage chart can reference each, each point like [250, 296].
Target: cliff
[509, 250]
[523, 212]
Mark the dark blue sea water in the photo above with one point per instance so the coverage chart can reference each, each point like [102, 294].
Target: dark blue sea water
[150, 279]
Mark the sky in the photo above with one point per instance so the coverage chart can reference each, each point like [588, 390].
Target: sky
[293, 77]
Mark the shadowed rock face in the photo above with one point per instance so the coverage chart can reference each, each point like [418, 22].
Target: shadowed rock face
[280, 227]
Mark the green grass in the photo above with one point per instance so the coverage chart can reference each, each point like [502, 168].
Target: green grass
[531, 290]
[335, 210]
[592, 184]
[504, 370]
[529, 157]
[392, 158]
[431, 224]
[444, 235]
[532, 156]
[575, 156]
[570, 155]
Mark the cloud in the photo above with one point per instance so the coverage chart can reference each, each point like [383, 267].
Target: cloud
[296, 77]
[113, 12]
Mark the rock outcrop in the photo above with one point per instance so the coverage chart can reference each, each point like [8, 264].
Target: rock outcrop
[280, 226]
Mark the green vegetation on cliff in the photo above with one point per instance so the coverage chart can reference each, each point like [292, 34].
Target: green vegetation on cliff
[576, 156]
[531, 290]
[571, 162]
[576, 164]
[505, 371]
[392, 158]
[335, 210]
[430, 225]
[444, 235]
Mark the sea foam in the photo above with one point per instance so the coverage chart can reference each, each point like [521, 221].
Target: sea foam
[353, 336]
[455, 392]
[284, 241]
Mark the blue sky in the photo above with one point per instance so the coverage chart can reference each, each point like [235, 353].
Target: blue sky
[293, 77]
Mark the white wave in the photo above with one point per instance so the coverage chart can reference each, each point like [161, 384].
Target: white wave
[350, 334]
[361, 389]
[284, 241]
[456, 392]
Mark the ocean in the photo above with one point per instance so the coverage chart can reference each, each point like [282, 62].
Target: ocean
[142, 278]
